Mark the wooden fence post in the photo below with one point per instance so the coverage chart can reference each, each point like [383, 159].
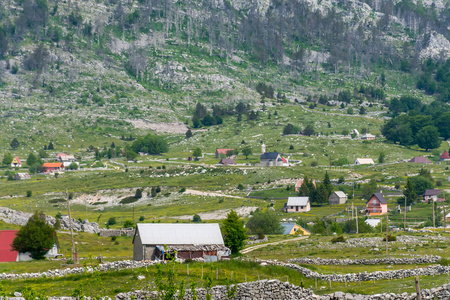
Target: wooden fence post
[419, 296]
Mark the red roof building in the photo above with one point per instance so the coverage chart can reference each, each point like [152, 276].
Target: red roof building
[444, 156]
[222, 151]
[6, 239]
[53, 167]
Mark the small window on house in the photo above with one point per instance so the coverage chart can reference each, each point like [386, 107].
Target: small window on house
[374, 201]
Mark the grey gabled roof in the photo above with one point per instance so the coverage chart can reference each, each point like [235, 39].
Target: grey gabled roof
[179, 234]
[340, 194]
[432, 192]
[269, 155]
[296, 201]
[380, 197]
[287, 227]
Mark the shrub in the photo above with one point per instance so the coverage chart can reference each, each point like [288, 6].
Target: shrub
[438, 183]
[114, 238]
[141, 218]
[196, 219]
[240, 187]
[29, 193]
[314, 164]
[182, 190]
[111, 221]
[338, 239]
[128, 200]
[391, 238]
[128, 224]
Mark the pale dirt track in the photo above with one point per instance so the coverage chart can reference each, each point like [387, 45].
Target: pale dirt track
[249, 249]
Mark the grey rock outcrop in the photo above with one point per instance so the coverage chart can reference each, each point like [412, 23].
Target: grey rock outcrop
[21, 218]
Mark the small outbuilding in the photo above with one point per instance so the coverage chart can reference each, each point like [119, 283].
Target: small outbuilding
[22, 176]
[444, 156]
[372, 222]
[297, 204]
[163, 241]
[16, 163]
[227, 161]
[338, 197]
[293, 228]
[364, 161]
[368, 136]
[420, 160]
[432, 194]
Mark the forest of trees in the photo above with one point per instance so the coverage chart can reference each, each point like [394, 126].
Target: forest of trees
[416, 123]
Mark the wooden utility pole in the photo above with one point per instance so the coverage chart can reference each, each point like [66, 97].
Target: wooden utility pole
[404, 223]
[356, 211]
[445, 218]
[387, 234]
[71, 227]
[434, 221]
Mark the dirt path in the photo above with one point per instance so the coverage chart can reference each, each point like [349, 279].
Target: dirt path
[249, 249]
[211, 194]
[221, 214]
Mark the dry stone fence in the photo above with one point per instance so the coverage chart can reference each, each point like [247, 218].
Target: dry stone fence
[277, 290]
[274, 290]
[427, 259]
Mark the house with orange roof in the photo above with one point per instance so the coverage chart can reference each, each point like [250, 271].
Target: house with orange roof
[51, 167]
[16, 163]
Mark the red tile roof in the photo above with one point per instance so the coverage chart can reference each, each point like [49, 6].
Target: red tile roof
[53, 165]
[6, 239]
[223, 151]
[445, 155]
[283, 159]
[18, 160]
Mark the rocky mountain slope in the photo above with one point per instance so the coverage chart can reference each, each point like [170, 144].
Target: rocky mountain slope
[72, 66]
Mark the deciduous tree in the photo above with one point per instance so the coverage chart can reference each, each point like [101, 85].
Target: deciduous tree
[36, 237]
[233, 232]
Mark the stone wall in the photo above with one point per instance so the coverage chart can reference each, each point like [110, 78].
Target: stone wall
[117, 232]
[377, 275]
[277, 290]
[427, 259]
[117, 265]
